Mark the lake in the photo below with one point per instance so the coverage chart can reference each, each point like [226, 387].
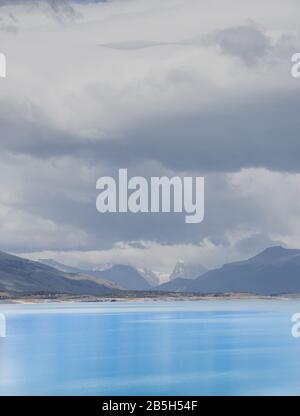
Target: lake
[150, 348]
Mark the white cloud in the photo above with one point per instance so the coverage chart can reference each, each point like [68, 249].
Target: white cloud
[21, 229]
[61, 75]
[272, 197]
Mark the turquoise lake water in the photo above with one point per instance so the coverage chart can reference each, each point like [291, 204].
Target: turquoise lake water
[151, 348]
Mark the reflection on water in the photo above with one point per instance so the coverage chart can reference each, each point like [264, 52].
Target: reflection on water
[201, 348]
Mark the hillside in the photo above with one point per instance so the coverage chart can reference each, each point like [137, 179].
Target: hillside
[21, 276]
[122, 276]
[274, 271]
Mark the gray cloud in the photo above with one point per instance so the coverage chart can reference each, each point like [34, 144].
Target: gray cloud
[260, 132]
[134, 44]
[59, 8]
[246, 42]
[53, 3]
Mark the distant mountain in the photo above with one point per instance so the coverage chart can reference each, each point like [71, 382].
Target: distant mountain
[178, 285]
[60, 266]
[181, 270]
[22, 276]
[123, 276]
[150, 276]
[274, 271]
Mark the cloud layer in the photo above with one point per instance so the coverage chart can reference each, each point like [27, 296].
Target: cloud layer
[170, 87]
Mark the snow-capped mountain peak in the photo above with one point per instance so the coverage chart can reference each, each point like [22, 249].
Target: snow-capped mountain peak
[181, 270]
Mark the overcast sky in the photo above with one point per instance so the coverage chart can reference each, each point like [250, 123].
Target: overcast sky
[175, 87]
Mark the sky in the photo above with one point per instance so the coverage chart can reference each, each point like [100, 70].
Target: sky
[173, 87]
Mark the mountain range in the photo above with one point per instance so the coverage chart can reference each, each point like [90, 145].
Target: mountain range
[124, 276]
[276, 270]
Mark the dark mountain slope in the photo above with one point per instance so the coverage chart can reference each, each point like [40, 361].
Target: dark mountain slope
[274, 271]
[20, 276]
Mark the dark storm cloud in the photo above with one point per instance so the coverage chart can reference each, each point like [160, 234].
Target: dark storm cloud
[258, 133]
[53, 195]
[37, 139]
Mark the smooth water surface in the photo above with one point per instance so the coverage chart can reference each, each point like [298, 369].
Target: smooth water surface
[174, 348]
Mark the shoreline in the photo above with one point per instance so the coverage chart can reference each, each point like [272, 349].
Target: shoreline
[142, 297]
